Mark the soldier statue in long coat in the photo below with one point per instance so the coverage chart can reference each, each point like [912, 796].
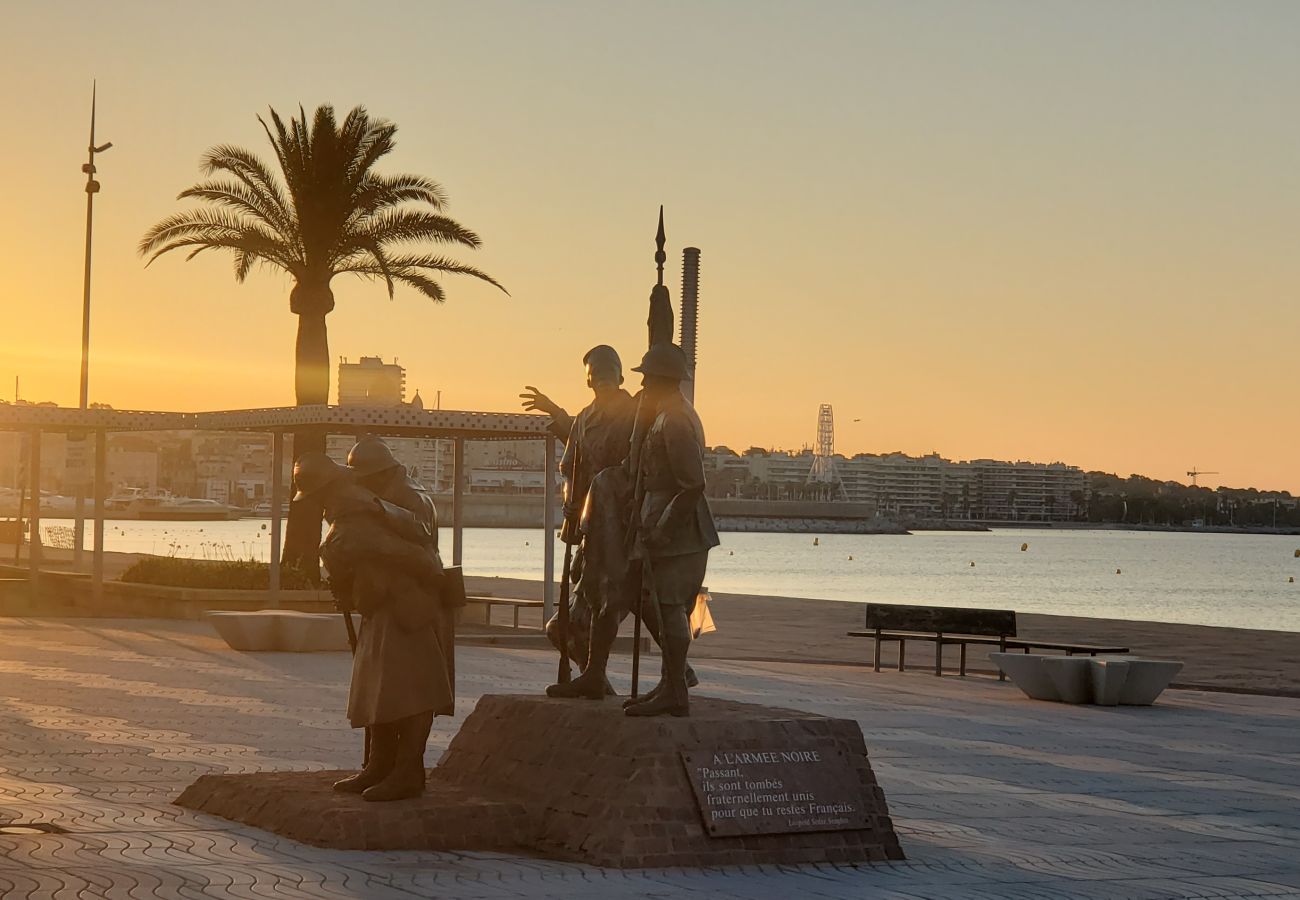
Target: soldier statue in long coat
[383, 562]
[673, 529]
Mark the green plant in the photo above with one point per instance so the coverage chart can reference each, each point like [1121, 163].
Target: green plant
[239, 574]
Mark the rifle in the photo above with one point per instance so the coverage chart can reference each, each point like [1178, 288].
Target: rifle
[567, 531]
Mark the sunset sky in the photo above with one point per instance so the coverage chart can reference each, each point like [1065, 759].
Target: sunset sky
[1044, 231]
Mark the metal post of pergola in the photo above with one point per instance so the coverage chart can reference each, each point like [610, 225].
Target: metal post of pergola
[277, 500]
[101, 496]
[457, 500]
[548, 536]
[34, 520]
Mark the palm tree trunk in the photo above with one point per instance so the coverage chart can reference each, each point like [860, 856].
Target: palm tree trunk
[312, 384]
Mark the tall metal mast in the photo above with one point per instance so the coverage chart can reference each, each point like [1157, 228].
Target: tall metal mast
[92, 188]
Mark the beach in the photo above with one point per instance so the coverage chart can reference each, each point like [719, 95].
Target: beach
[760, 627]
[790, 629]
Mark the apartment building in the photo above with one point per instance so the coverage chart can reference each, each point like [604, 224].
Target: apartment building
[909, 487]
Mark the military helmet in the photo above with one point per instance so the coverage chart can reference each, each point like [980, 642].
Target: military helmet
[313, 471]
[371, 455]
[666, 361]
[603, 355]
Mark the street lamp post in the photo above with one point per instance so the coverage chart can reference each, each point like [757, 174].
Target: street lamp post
[92, 188]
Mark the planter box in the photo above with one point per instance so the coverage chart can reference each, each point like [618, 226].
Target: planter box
[70, 594]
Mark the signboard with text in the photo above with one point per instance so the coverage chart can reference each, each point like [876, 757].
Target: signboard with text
[78, 471]
[776, 791]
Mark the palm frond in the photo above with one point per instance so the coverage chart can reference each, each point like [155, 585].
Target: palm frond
[416, 279]
[215, 228]
[249, 169]
[239, 197]
[404, 225]
[400, 265]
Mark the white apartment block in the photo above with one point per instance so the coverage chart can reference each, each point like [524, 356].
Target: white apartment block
[911, 487]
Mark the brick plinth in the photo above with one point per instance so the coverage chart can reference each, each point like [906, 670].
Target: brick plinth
[567, 779]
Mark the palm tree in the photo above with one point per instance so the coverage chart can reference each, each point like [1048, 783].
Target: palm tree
[326, 212]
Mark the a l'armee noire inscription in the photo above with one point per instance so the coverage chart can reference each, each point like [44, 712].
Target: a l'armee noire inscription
[778, 791]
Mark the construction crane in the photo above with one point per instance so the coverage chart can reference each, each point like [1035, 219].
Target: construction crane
[1194, 472]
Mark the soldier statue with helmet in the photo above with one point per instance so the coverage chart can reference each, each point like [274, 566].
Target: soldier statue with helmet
[672, 529]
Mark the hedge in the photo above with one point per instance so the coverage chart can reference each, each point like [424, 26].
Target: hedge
[247, 575]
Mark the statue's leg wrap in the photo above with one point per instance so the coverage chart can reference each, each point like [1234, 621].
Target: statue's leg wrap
[407, 777]
[652, 620]
[383, 756]
[677, 580]
[671, 697]
[592, 682]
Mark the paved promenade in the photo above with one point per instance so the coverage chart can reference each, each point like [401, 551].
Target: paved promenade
[103, 722]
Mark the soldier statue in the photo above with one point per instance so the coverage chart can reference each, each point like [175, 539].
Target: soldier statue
[672, 530]
[383, 562]
[596, 440]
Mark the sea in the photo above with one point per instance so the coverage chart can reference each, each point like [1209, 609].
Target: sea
[1227, 580]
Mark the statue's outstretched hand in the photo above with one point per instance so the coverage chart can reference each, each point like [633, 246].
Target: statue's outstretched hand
[535, 401]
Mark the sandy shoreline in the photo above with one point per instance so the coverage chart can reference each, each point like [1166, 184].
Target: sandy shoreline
[791, 629]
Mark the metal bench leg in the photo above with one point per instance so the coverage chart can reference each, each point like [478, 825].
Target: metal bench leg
[516, 617]
[902, 651]
[938, 654]
[1069, 653]
[877, 650]
[1002, 648]
[962, 668]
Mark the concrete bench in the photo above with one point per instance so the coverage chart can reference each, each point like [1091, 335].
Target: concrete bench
[280, 629]
[486, 603]
[1105, 681]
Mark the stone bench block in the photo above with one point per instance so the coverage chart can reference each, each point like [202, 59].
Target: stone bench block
[1027, 673]
[1107, 677]
[1103, 680]
[1070, 674]
[1147, 679]
[280, 629]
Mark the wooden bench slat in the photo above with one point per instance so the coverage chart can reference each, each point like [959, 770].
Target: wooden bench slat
[954, 619]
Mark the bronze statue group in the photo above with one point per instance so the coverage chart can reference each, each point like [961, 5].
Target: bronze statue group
[637, 530]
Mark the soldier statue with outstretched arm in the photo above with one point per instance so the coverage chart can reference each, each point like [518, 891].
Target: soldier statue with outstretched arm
[672, 528]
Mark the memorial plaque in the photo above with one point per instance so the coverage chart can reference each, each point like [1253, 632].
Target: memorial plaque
[779, 790]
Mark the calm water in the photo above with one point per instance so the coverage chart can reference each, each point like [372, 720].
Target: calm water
[1206, 579]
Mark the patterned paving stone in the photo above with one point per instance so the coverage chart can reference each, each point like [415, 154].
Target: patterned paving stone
[103, 722]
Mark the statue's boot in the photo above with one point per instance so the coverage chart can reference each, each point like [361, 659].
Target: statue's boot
[406, 780]
[673, 697]
[383, 755]
[650, 619]
[592, 683]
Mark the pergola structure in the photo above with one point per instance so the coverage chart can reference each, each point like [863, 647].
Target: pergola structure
[381, 421]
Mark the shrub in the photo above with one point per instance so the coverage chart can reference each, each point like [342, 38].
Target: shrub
[240, 574]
